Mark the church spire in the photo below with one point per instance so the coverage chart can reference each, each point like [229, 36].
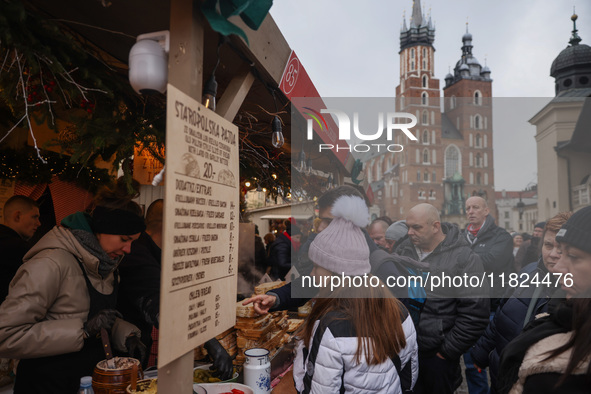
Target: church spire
[417, 14]
[404, 28]
[575, 39]
[420, 31]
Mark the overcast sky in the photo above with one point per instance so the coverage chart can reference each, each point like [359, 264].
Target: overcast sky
[350, 49]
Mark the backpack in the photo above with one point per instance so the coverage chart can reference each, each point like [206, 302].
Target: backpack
[416, 294]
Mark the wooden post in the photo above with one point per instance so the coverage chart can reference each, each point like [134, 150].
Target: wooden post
[185, 71]
[185, 62]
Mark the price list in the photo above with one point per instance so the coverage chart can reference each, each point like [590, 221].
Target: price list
[199, 256]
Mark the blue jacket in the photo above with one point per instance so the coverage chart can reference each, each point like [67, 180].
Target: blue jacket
[509, 318]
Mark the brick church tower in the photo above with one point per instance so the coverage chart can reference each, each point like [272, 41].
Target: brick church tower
[452, 157]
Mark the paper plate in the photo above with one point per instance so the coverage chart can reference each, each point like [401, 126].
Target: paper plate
[217, 388]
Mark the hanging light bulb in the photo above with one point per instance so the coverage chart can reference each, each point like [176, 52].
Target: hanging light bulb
[330, 181]
[277, 139]
[302, 162]
[309, 166]
[209, 93]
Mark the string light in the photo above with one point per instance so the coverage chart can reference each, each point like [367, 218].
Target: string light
[277, 139]
[210, 89]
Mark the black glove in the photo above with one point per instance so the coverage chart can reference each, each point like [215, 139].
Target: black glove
[221, 359]
[136, 348]
[103, 319]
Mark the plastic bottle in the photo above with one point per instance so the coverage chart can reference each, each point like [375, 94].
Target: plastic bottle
[86, 385]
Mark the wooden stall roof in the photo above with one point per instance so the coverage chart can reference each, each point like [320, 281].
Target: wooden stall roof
[114, 29]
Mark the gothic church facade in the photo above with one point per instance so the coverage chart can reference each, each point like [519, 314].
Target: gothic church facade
[452, 158]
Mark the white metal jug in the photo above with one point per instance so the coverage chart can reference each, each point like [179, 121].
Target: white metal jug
[257, 370]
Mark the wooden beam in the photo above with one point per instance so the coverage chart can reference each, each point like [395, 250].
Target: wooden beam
[177, 376]
[268, 48]
[185, 60]
[235, 93]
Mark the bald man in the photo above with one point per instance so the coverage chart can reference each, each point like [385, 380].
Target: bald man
[21, 220]
[494, 245]
[452, 318]
[377, 232]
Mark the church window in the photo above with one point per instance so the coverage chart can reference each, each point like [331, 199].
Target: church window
[477, 98]
[478, 160]
[424, 81]
[425, 156]
[478, 178]
[426, 176]
[477, 122]
[418, 176]
[424, 98]
[452, 161]
[478, 140]
[426, 137]
[425, 117]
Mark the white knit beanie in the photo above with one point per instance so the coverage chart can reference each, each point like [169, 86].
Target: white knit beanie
[342, 246]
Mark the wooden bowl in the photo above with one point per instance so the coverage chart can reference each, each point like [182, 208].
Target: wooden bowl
[106, 380]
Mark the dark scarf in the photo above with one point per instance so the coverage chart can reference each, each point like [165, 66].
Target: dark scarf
[91, 244]
[560, 321]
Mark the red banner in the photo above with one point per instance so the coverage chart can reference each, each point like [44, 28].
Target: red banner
[296, 83]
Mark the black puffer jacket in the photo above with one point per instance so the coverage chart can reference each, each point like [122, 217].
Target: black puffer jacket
[453, 318]
[494, 246]
[509, 318]
[13, 249]
[280, 257]
[139, 289]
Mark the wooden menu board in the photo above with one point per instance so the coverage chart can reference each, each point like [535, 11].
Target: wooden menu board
[199, 255]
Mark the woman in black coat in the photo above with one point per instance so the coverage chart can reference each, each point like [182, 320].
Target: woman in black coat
[530, 298]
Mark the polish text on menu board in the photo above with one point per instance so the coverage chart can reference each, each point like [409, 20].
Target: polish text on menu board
[199, 256]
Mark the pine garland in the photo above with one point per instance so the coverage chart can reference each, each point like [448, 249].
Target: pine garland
[28, 168]
[47, 72]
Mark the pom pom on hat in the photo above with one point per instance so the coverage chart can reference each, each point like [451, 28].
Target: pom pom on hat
[351, 208]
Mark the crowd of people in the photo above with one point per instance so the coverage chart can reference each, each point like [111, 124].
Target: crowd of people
[531, 330]
[101, 270]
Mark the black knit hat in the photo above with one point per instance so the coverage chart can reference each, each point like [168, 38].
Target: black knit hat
[541, 225]
[116, 221]
[577, 230]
